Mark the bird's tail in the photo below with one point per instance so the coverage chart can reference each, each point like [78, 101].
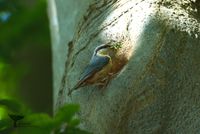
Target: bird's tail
[73, 89]
[79, 84]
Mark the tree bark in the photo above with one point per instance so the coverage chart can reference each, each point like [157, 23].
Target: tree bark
[157, 90]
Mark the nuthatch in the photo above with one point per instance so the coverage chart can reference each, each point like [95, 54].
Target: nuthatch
[99, 68]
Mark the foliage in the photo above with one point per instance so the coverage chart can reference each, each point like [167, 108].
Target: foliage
[25, 23]
[20, 25]
[19, 121]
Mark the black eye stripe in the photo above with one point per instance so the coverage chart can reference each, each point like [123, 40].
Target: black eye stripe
[101, 47]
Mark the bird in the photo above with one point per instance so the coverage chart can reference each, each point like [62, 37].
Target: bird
[99, 68]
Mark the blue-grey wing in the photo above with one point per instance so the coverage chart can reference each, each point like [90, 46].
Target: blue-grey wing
[95, 65]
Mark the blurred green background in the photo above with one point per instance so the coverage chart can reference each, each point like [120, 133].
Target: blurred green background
[25, 54]
[26, 74]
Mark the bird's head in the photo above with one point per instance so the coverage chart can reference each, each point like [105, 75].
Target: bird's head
[105, 50]
[102, 49]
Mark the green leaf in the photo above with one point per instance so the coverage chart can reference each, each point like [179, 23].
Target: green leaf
[76, 131]
[11, 105]
[74, 122]
[31, 130]
[4, 124]
[40, 120]
[16, 117]
[66, 113]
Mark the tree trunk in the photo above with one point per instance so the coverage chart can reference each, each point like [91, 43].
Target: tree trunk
[157, 90]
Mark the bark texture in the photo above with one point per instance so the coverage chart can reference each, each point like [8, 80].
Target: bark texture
[158, 89]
